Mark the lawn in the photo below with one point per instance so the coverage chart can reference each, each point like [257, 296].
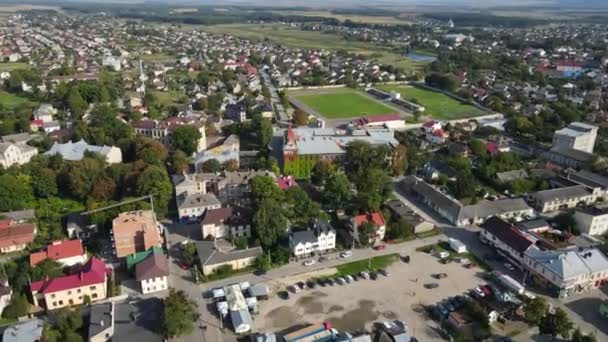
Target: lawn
[170, 98]
[437, 105]
[372, 264]
[352, 17]
[296, 38]
[8, 66]
[10, 101]
[343, 104]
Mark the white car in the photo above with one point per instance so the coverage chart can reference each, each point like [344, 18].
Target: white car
[479, 292]
[509, 266]
[349, 279]
[346, 254]
[308, 262]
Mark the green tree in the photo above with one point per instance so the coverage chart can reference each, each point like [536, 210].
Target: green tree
[44, 182]
[186, 138]
[263, 130]
[212, 165]
[557, 323]
[464, 186]
[263, 263]
[80, 177]
[299, 208]
[189, 253]
[478, 148]
[373, 189]
[155, 181]
[151, 151]
[269, 222]
[18, 307]
[399, 230]
[321, 172]
[179, 314]
[262, 187]
[14, 194]
[46, 269]
[578, 336]
[399, 164]
[367, 234]
[76, 103]
[535, 310]
[178, 163]
[565, 222]
[336, 193]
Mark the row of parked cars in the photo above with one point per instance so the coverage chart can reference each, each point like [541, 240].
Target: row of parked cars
[323, 282]
[442, 309]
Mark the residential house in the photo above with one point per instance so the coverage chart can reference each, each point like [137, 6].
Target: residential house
[75, 151]
[591, 180]
[510, 176]
[507, 208]
[212, 257]
[16, 154]
[59, 292]
[45, 113]
[101, 322]
[592, 220]
[223, 152]
[435, 168]
[135, 231]
[402, 212]
[15, 236]
[578, 136]
[24, 331]
[567, 272]
[138, 321]
[191, 207]
[66, 252]
[374, 218]
[20, 216]
[562, 198]
[433, 132]
[391, 121]
[138, 257]
[162, 130]
[507, 239]
[152, 273]
[227, 222]
[319, 237]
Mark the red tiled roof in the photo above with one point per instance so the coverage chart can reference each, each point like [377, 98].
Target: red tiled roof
[58, 250]
[17, 235]
[285, 183]
[94, 272]
[5, 223]
[37, 122]
[375, 218]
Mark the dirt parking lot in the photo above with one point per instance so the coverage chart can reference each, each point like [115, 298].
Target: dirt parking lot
[356, 306]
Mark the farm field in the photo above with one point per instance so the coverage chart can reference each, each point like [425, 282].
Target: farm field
[11, 101]
[352, 17]
[437, 105]
[296, 38]
[341, 103]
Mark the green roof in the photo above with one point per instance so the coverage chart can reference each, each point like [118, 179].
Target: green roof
[136, 258]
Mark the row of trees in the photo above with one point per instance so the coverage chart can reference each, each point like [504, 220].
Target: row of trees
[553, 322]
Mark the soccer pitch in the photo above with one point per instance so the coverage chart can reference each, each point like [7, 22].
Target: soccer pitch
[341, 103]
[437, 105]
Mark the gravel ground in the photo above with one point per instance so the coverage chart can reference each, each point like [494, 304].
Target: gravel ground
[357, 306]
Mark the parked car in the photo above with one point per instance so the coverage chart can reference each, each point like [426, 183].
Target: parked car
[283, 295]
[311, 284]
[355, 277]
[364, 275]
[478, 292]
[302, 285]
[431, 286]
[341, 281]
[308, 262]
[184, 266]
[322, 282]
[384, 272]
[509, 266]
[448, 305]
[349, 279]
[373, 275]
[330, 282]
[322, 259]
[379, 247]
[406, 259]
[346, 254]
[444, 311]
[486, 290]
[440, 275]
[435, 312]
[294, 288]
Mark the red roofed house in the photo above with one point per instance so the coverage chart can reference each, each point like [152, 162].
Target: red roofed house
[434, 132]
[15, 237]
[36, 125]
[286, 182]
[72, 289]
[376, 219]
[67, 253]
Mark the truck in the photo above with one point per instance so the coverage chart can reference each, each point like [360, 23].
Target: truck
[457, 246]
[509, 283]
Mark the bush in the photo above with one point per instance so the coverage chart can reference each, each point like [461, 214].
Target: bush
[224, 269]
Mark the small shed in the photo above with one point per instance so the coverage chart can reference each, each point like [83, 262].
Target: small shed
[457, 246]
[218, 293]
[259, 291]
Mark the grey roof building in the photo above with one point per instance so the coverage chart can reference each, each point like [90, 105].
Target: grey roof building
[562, 198]
[101, 322]
[510, 176]
[567, 157]
[507, 208]
[75, 151]
[139, 321]
[448, 207]
[212, 257]
[402, 212]
[24, 332]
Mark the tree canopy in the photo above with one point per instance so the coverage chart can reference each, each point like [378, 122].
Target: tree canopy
[179, 314]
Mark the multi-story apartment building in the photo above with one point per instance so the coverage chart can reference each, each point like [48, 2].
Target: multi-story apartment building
[579, 136]
[16, 154]
[227, 222]
[563, 198]
[319, 237]
[135, 231]
[592, 220]
[72, 289]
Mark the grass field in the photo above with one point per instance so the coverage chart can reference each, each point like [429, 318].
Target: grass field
[342, 103]
[169, 98]
[352, 17]
[372, 264]
[12, 66]
[437, 105]
[11, 101]
[296, 38]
